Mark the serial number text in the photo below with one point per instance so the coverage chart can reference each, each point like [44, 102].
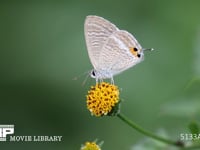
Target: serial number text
[189, 137]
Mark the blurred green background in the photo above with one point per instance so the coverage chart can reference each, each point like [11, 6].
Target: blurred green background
[42, 48]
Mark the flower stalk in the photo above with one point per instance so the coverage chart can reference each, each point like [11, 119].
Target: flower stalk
[143, 131]
[156, 137]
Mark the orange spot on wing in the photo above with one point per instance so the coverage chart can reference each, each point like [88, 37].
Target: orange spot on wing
[133, 51]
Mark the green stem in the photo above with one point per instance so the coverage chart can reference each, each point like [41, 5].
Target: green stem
[145, 132]
[156, 137]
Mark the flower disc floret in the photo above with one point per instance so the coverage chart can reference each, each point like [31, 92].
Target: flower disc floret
[102, 98]
[90, 146]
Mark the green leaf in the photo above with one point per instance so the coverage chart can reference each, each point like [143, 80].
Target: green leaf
[194, 127]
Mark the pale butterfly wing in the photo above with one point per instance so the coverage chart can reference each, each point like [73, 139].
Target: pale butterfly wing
[116, 55]
[97, 30]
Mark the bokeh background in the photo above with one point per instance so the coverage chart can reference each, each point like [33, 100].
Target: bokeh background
[42, 49]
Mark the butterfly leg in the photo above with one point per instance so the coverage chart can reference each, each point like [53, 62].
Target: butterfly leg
[112, 80]
[101, 80]
[96, 80]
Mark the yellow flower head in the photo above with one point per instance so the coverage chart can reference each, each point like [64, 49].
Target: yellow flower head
[103, 99]
[90, 146]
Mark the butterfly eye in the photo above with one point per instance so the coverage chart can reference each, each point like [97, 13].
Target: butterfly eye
[93, 73]
[138, 55]
[135, 49]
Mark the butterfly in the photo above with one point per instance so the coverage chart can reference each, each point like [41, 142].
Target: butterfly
[111, 50]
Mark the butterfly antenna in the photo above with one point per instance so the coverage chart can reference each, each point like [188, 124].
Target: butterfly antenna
[77, 77]
[84, 81]
[147, 49]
